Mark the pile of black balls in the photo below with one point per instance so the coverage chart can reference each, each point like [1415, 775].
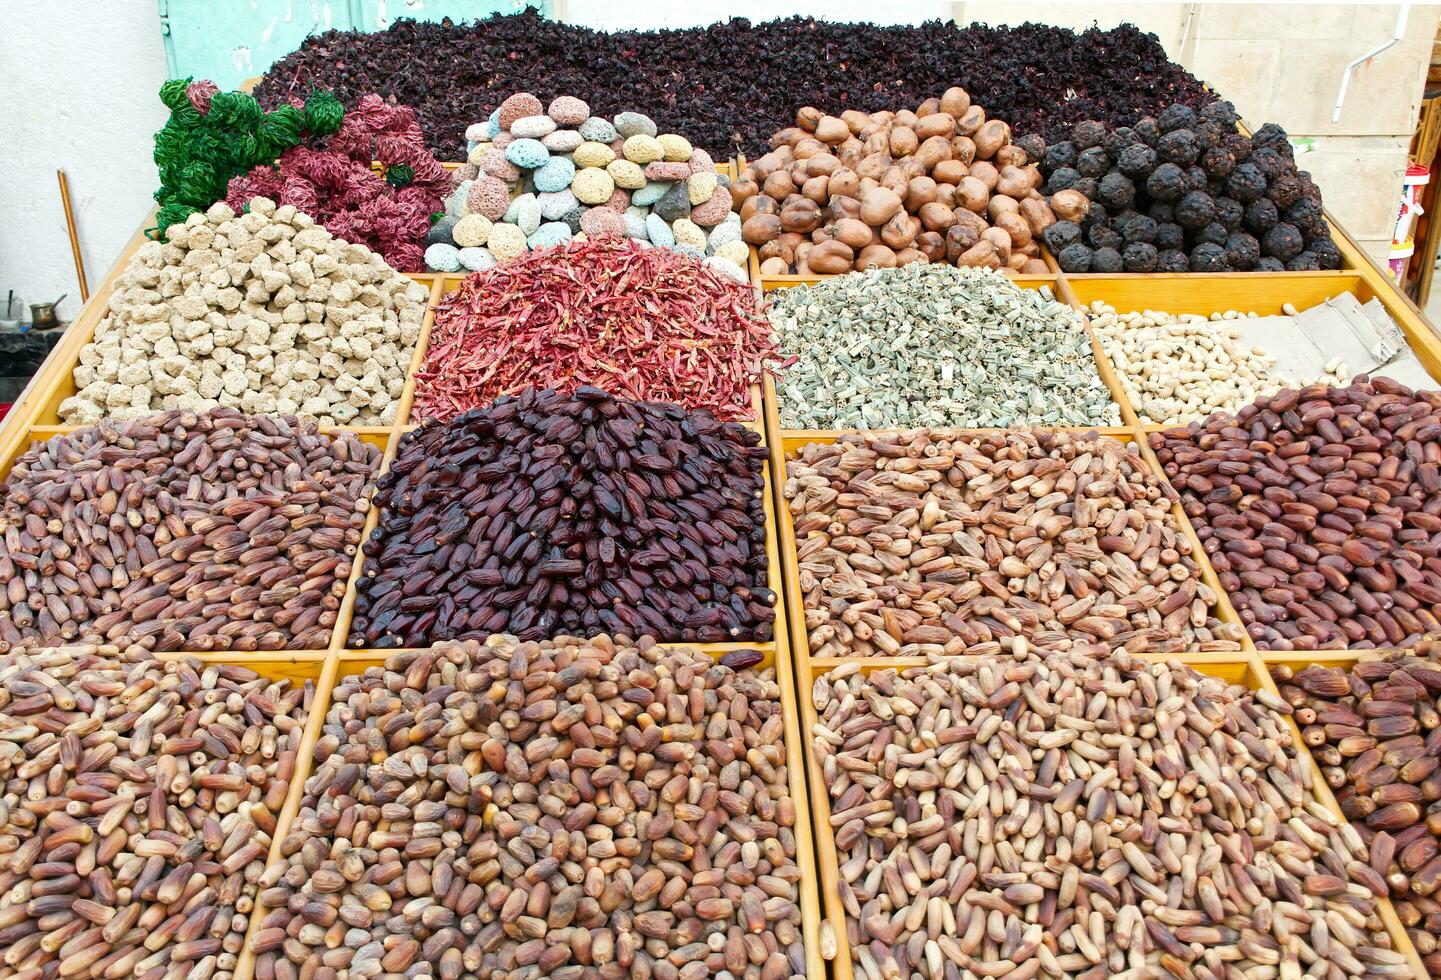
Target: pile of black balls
[1186, 192]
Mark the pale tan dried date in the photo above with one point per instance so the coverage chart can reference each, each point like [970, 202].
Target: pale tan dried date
[1061, 816]
[936, 542]
[137, 803]
[563, 809]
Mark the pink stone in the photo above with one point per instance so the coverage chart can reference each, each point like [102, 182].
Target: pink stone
[667, 170]
[701, 163]
[494, 163]
[567, 110]
[714, 211]
[488, 196]
[619, 201]
[502, 140]
[518, 106]
[598, 222]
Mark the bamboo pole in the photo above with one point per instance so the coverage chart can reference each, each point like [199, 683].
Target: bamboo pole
[74, 238]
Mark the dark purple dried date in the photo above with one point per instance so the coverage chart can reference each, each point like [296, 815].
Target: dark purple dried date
[547, 514]
[741, 659]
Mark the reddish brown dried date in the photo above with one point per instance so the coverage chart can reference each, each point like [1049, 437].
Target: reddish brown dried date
[1390, 790]
[1361, 465]
[183, 531]
[741, 659]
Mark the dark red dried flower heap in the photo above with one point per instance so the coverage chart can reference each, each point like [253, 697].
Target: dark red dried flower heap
[732, 84]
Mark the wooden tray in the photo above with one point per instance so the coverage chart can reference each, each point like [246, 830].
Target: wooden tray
[1243, 668]
[791, 441]
[1263, 292]
[34, 416]
[1258, 292]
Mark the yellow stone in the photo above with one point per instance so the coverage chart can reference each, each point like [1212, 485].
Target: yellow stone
[626, 174]
[592, 186]
[642, 149]
[677, 148]
[592, 155]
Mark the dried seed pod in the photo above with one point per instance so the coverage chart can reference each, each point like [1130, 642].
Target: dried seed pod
[564, 809]
[183, 531]
[547, 514]
[905, 358]
[1017, 808]
[139, 800]
[938, 542]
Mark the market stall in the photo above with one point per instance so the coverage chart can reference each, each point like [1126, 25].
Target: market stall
[830, 557]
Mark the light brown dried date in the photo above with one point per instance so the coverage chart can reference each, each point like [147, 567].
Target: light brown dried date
[179, 531]
[938, 542]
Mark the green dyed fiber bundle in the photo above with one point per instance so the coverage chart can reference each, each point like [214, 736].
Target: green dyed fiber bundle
[212, 136]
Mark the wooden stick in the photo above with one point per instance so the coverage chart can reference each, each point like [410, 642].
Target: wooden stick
[74, 238]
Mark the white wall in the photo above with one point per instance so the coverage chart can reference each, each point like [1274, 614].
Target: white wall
[79, 92]
[81, 79]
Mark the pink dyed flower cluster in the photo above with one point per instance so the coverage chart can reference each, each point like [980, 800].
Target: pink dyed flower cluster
[336, 186]
[199, 93]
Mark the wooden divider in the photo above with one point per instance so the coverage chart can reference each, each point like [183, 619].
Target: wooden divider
[325, 684]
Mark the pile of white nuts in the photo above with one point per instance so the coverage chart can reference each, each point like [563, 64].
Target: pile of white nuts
[265, 311]
[1177, 368]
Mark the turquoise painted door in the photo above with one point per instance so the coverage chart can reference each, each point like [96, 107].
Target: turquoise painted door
[229, 41]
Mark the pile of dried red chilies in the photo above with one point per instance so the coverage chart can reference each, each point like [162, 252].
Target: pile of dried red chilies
[642, 323]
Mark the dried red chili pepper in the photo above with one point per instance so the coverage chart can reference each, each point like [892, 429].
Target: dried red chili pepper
[643, 323]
